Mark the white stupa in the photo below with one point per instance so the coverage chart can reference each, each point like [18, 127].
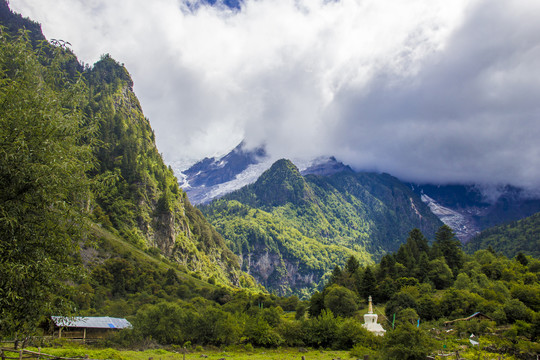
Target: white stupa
[370, 321]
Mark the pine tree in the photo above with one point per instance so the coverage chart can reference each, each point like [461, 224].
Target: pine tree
[368, 283]
[449, 247]
[352, 265]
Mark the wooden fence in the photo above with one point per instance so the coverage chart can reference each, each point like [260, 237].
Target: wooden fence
[27, 354]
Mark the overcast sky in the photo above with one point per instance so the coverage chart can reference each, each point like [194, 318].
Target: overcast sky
[426, 90]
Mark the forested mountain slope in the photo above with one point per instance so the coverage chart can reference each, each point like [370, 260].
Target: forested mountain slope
[136, 194]
[522, 236]
[99, 123]
[290, 230]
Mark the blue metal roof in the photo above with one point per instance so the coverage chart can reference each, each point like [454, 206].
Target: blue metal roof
[103, 322]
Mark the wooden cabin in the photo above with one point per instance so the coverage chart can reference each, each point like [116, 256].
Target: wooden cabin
[87, 328]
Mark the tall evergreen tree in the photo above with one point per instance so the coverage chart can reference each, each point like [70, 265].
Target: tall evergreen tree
[450, 248]
[368, 283]
[352, 265]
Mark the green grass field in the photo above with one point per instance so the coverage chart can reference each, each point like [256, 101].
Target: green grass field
[160, 354]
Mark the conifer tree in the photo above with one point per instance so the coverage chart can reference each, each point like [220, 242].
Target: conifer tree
[449, 247]
[368, 283]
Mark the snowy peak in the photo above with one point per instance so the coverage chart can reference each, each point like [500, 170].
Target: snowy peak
[211, 178]
[213, 171]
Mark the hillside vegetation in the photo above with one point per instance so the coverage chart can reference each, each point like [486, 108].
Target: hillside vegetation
[416, 290]
[93, 223]
[522, 236]
[136, 195]
[291, 230]
[78, 157]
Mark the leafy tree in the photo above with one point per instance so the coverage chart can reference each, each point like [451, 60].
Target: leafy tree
[407, 315]
[429, 308]
[407, 342]
[516, 310]
[351, 332]
[385, 289]
[259, 332]
[323, 330]
[316, 304]
[167, 323]
[440, 274]
[43, 161]
[528, 294]
[340, 300]
[398, 302]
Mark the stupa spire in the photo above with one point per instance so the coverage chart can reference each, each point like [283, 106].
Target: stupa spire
[370, 320]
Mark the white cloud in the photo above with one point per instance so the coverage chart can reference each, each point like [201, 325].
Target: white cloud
[427, 90]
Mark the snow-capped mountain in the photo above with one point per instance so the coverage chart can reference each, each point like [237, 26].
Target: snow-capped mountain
[214, 177]
[467, 209]
[211, 178]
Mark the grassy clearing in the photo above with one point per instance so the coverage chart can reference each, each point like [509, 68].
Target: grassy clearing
[241, 354]
[161, 354]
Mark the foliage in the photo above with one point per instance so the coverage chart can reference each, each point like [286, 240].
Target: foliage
[417, 284]
[157, 261]
[136, 195]
[521, 236]
[43, 159]
[313, 223]
[407, 342]
[340, 300]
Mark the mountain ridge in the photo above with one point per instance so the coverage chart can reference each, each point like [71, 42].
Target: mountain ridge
[467, 208]
[302, 224]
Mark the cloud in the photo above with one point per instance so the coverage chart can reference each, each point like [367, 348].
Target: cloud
[427, 90]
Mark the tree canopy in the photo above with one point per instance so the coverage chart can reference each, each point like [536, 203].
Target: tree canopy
[44, 156]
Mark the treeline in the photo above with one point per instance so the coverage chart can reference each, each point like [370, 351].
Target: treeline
[418, 284]
[422, 282]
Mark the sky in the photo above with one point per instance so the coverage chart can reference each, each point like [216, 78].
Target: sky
[427, 90]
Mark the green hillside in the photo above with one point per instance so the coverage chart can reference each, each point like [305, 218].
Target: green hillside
[522, 236]
[78, 159]
[136, 195]
[290, 230]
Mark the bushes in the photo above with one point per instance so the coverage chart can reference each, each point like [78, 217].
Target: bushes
[201, 322]
[407, 342]
[322, 331]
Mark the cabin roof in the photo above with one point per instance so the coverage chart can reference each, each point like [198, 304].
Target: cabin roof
[476, 314]
[102, 322]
